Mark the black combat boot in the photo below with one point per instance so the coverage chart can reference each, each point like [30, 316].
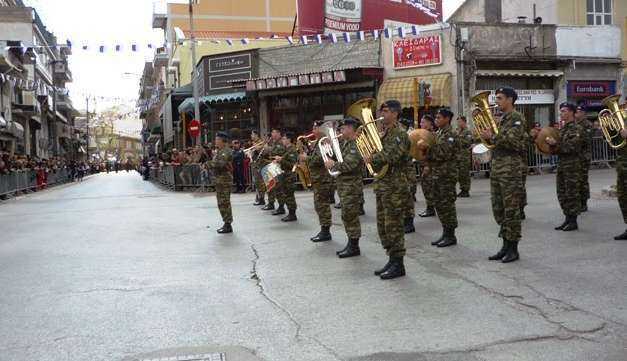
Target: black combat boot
[362, 211]
[437, 241]
[396, 269]
[409, 225]
[571, 225]
[259, 201]
[449, 238]
[429, 212]
[291, 216]
[500, 254]
[351, 249]
[561, 226]
[584, 206]
[621, 237]
[280, 210]
[522, 213]
[512, 252]
[463, 194]
[385, 268]
[268, 207]
[322, 236]
[226, 228]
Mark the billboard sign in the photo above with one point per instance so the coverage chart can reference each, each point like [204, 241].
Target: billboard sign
[418, 51]
[342, 15]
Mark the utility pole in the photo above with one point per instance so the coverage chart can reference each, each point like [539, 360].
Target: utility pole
[87, 124]
[194, 73]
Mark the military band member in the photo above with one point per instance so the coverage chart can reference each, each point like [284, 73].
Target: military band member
[442, 156]
[222, 167]
[349, 185]
[287, 182]
[586, 155]
[464, 157]
[621, 183]
[510, 145]
[426, 178]
[391, 189]
[322, 184]
[412, 182]
[273, 149]
[260, 186]
[569, 166]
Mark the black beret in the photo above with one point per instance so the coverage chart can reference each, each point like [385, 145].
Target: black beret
[223, 135]
[568, 105]
[393, 105]
[446, 113]
[581, 107]
[318, 123]
[508, 92]
[350, 121]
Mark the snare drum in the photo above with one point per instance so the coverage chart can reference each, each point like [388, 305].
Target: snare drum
[481, 153]
[270, 174]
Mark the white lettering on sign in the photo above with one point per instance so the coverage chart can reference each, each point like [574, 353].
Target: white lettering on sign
[529, 96]
[342, 15]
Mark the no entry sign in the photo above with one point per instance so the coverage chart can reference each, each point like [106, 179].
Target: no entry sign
[194, 128]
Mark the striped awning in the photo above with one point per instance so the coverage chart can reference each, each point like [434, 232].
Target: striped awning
[521, 73]
[405, 90]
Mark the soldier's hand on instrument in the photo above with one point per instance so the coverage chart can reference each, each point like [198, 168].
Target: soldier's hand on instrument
[422, 145]
[368, 158]
[329, 164]
[551, 141]
[623, 133]
[534, 133]
[486, 134]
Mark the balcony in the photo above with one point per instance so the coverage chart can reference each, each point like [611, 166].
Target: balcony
[161, 58]
[64, 102]
[159, 16]
[62, 72]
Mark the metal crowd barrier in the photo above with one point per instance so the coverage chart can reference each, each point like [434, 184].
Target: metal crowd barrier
[20, 182]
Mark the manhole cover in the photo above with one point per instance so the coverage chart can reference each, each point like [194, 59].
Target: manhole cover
[217, 356]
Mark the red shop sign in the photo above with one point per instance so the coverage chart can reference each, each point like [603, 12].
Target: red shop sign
[194, 128]
[418, 51]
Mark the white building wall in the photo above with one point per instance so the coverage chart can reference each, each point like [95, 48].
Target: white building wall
[589, 41]
[546, 9]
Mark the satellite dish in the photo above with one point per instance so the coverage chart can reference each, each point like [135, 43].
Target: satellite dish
[537, 20]
[178, 33]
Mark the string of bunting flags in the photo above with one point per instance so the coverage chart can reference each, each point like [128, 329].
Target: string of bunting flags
[37, 86]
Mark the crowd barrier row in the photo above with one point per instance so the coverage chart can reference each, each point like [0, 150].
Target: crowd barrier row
[180, 177]
[19, 182]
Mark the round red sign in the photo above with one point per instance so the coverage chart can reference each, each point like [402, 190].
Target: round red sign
[194, 128]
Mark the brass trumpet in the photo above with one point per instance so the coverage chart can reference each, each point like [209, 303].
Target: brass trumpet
[257, 146]
[368, 136]
[482, 117]
[310, 139]
[612, 121]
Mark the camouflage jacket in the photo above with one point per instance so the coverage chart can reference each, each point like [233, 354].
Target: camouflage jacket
[221, 165]
[271, 150]
[315, 163]
[443, 153]
[395, 154]
[621, 159]
[352, 164]
[290, 157]
[586, 127]
[465, 141]
[571, 142]
[510, 145]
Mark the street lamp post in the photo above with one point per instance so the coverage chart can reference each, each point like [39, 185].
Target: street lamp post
[194, 72]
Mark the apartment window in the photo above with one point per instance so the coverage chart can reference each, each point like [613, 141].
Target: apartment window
[599, 12]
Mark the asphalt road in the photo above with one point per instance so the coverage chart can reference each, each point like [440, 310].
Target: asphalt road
[115, 267]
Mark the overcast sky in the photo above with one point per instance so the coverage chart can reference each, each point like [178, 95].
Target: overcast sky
[111, 22]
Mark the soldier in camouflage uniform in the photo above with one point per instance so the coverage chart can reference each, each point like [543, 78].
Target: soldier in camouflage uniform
[260, 186]
[525, 166]
[442, 156]
[222, 167]
[287, 182]
[586, 155]
[426, 179]
[464, 160]
[569, 167]
[391, 190]
[621, 183]
[412, 182]
[510, 145]
[323, 188]
[273, 149]
[349, 186]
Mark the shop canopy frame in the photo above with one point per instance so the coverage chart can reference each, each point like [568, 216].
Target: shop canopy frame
[188, 104]
[405, 90]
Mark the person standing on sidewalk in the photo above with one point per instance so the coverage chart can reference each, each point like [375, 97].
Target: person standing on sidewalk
[238, 167]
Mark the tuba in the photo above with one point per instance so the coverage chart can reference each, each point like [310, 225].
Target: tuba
[417, 136]
[482, 117]
[543, 135]
[329, 146]
[303, 143]
[612, 121]
[368, 137]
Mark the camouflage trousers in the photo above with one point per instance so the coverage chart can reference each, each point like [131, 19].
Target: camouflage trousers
[223, 195]
[568, 184]
[507, 193]
[444, 198]
[621, 189]
[285, 191]
[525, 171]
[410, 201]
[463, 172]
[260, 186]
[351, 194]
[585, 181]
[323, 198]
[390, 200]
[426, 183]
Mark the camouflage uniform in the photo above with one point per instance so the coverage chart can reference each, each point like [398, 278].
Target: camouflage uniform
[465, 139]
[258, 163]
[275, 149]
[322, 184]
[426, 183]
[349, 186]
[525, 164]
[569, 168]
[391, 190]
[506, 176]
[287, 183]
[222, 167]
[442, 158]
[621, 180]
[412, 183]
[586, 158]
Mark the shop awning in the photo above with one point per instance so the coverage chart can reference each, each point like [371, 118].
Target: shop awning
[405, 90]
[17, 130]
[188, 103]
[521, 73]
